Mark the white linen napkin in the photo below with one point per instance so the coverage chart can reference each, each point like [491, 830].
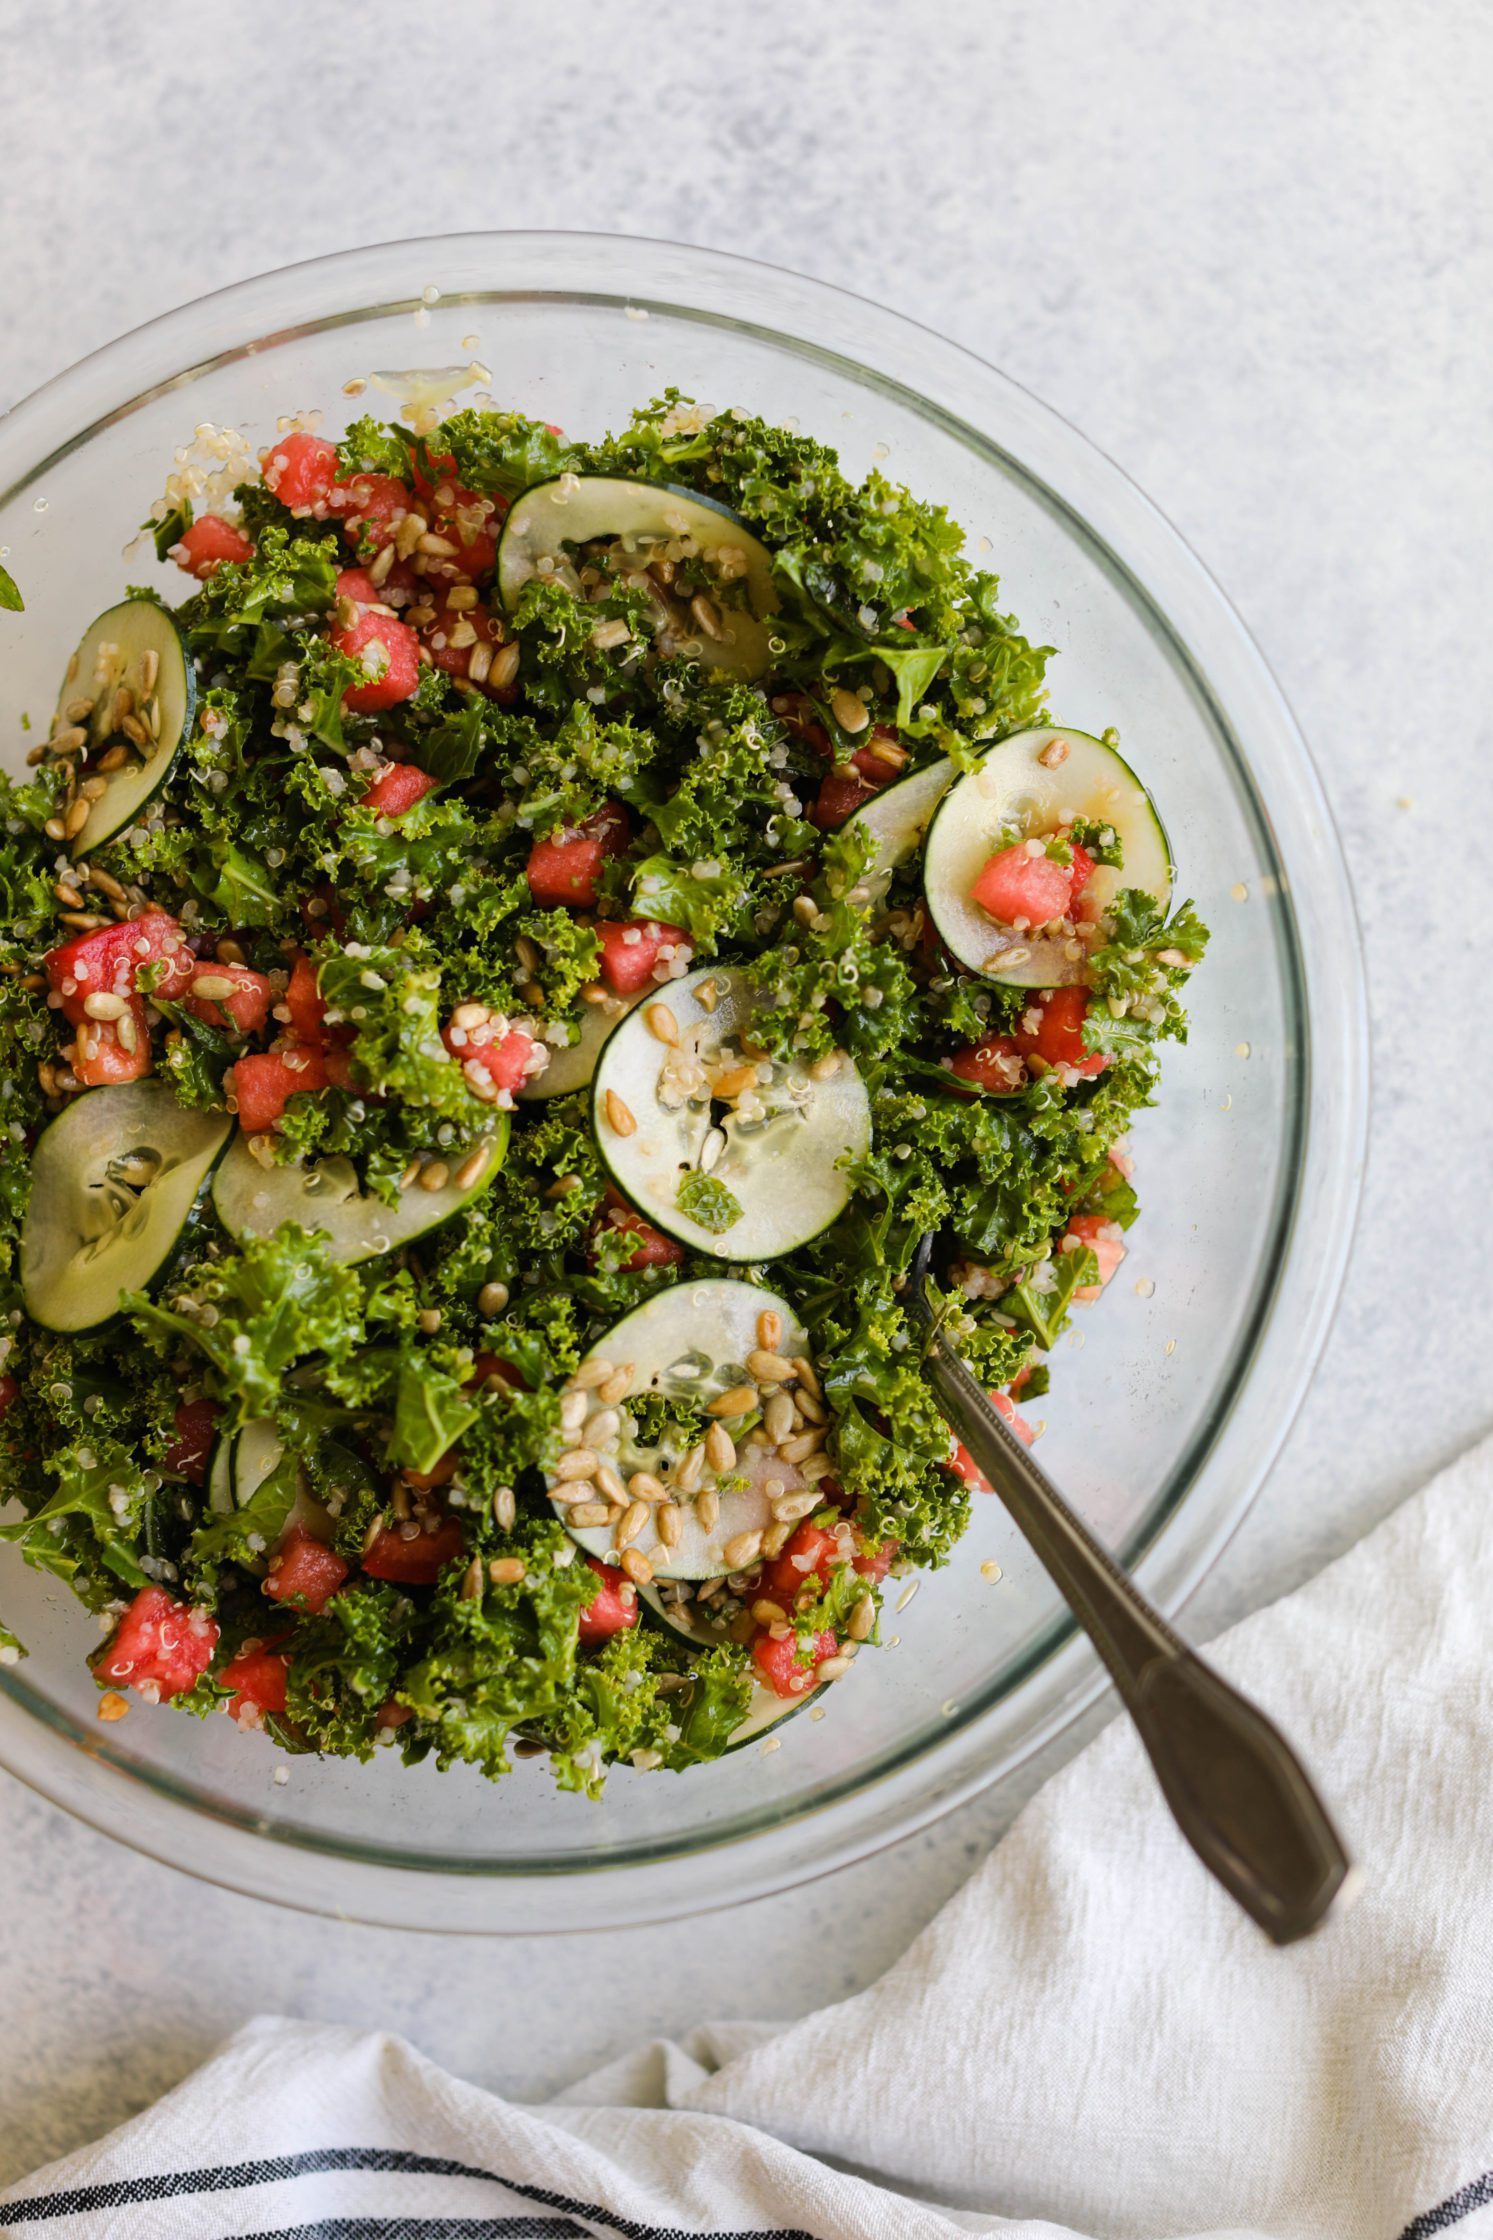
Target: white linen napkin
[1089, 2040]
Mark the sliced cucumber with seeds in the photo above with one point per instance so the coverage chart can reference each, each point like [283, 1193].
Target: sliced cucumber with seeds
[134, 666]
[323, 1194]
[691, 1343]
[897, 818]
[1017, 794]
[572, 1067]
[638, 522]
[114, 1181]
[773, 1154]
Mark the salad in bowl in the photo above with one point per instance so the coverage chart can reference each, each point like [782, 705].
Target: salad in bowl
[494, 986]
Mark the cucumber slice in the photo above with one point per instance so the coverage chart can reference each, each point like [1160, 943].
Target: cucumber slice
[682, 1619]
[780, 1161]
[691, 1343]
[114, 1180]
[639, 522]
[766, 1709]
[573, 1067]
[897, 818]
[220, 1478]
[323, 1194]
[133, 662]
[257, 1452]
[1015, 793]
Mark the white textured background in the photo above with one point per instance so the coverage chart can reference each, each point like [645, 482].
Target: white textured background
[1247, 251]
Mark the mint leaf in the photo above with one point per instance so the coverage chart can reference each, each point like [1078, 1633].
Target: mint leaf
[708, 1202]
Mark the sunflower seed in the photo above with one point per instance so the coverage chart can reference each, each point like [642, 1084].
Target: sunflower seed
[739, 1401]
[769, 1368]
[581, 1462]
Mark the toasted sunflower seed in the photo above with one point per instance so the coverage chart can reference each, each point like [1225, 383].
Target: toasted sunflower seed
[739, 1401]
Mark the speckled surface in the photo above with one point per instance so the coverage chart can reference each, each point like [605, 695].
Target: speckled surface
[1248, 253]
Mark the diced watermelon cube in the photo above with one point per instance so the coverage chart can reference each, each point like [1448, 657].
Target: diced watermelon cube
[994, 1065]
[10, 1391]
[874, 1563]
[256, 1674]
[1106, 1240]
[264, 1083]
[503, 1052]
[491, 1367]
[372, 506]
[397, 789]
[303, 1000]
[305, 1570]
[108, 961]
[300, 470]
[785, 1667]
[840, 792]
[451, 647]
[1016, 884]
[209, 544]
[159, 1647]
[106, 1051]
[563, 870]
[1058, 1037]
[387, 653]
[631, 949]
[807, 1559]
[246, 1006]
[187, 1455]
[417, 1561]
[358, 585]
[465, 518]
[615, 1608]
[654, 1249]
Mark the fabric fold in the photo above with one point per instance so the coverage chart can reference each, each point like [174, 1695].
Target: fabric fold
[1088, 2043]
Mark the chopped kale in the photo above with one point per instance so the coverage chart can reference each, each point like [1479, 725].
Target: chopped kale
[418, 1399]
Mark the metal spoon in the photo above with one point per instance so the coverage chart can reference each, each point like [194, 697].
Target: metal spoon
[1235, 1787]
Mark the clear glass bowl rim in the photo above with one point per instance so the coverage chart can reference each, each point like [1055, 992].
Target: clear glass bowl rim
[41, 1747]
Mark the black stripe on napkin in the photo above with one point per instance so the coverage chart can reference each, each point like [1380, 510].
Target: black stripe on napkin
[171, 2185]
[1452, 2210]
[168, 2185]
[424, 2228]
[627, 2230]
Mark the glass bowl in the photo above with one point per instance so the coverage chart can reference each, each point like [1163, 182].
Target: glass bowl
[1168, 1402]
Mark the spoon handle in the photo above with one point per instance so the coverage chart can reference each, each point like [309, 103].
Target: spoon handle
[1235, 1787]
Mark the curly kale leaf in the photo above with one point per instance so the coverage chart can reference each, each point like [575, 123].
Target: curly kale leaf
[502, 454]
[1139, 972]
[1041, 1301]
[276, 1300]
[95, 1515]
